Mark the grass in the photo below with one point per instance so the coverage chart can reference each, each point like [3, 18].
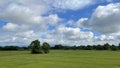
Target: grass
[60, 59]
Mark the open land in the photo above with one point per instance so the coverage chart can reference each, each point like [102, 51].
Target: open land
[60, 59]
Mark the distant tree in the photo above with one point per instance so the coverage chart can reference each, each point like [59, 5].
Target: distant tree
[99, 47]
[23, 48]
[59, 46]
[119, 46]
[94, 47]
[88, 47]
[74, 47]
[10, 48]
[106, 46]
[66, 47]
[81, 47]
[35, 47]
[114, 48]
[1, 48]
[46, 47]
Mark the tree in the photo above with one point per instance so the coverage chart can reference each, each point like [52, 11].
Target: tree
[46, 47]
[114, 48]
[106, 46]
[119, 46]
[88, 47]
[81, 47]
[35, 47]
[10, 48]
[59, 46]
[99, 47]
[73, 47]
[94, 47]
[66, 47]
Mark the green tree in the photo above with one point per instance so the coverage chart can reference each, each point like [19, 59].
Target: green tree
[46, 47]
[66, 47]
[106, 46]
[35, 47]
[59, 46]
[119, 46]
[74, 47]
[114, 48]
[99, 47]
[88, 47]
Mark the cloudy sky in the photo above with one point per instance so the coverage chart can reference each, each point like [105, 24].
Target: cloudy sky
[68, 22]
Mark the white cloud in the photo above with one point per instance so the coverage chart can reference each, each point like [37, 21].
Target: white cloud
[69, 34]
[102, 39]
[18, 38]
[10, 26]
[53, 19]
[27, 12]
[72, 4]
[19, 14]
[25, 20]
[28, 20]
[105, 19]
[44, 6]
[38, 6]
[27, 34]
[82, 22]
[105, 38]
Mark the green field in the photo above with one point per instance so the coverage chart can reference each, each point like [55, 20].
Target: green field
[60, 59]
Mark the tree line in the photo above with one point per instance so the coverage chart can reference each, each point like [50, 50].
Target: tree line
[106, 46]
[44, 48]
[35, 47]
[12, 48]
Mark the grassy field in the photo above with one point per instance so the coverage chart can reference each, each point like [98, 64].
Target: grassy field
[60, 59]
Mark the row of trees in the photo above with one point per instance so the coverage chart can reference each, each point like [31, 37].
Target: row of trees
[4, 48]
[88, 47]
[35, 47]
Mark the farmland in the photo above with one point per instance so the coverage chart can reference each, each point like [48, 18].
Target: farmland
[60, 59]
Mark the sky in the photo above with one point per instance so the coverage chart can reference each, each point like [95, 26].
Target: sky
[67, 22]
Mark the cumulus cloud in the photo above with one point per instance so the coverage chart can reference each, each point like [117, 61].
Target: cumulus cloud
[25, 21]
[109, 38]
[52, 19]
[22, 18]
[15, 27]
[22, 14]
[28, 20]
[18, 38]
[27, 34]
[82, 22]
[105, 38]
[10, 26]
[72, 4]
[18, 14]
[68, 34]
[105, 19]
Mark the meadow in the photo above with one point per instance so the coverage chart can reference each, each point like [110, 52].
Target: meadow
[60, 59]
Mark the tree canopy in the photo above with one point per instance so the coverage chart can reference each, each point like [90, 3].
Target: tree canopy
[35, 47]
[46, 47]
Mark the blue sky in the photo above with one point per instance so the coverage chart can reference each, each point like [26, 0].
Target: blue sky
[68, 22]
